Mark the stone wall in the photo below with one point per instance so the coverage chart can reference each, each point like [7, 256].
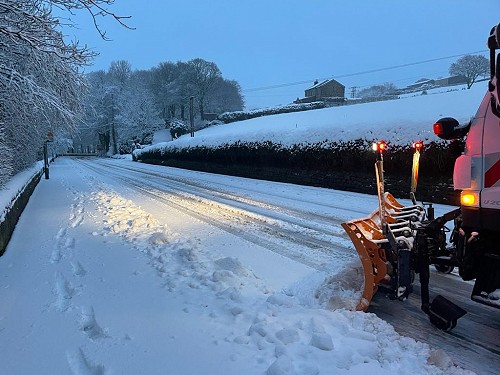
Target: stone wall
[12, 216]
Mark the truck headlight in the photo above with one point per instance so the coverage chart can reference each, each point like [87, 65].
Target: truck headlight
[469, 198]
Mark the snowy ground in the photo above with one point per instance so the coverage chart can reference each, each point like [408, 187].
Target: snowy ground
[162, 271]
[401, 121]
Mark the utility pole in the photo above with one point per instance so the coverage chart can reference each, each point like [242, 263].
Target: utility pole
[191, 115]
[354, 92]
[113, 127]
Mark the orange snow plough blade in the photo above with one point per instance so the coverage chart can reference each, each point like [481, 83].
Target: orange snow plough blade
[372, 259]
[384, 239]
[372, 245]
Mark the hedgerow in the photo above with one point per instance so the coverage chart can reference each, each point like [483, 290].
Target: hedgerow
[228, 117]
[350, 156]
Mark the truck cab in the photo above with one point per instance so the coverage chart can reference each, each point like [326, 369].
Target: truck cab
[477, 175]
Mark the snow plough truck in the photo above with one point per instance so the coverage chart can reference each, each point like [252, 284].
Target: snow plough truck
[396, 242]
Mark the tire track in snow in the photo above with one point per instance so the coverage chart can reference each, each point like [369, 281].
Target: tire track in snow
[270, 233]
[288, 221]
[324, 223]
[222, 190]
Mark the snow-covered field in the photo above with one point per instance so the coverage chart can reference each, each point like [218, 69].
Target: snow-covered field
[402, 121]
[107, 274]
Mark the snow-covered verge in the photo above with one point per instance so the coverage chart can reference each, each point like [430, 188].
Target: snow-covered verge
[15, 197]
[400, 122]
[15, 186]
[101, 285]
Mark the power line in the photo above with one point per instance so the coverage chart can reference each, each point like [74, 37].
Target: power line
[360, 73]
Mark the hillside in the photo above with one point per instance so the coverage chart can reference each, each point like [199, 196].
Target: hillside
[400, 121]
[331, 147]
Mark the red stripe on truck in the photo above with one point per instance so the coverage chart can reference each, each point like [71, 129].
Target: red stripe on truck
[492, 175]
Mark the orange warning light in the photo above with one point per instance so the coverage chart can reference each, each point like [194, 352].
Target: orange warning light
[419, 145]
[380, 146]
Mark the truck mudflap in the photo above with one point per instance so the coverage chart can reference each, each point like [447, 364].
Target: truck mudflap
[479, 260]
[444, 314]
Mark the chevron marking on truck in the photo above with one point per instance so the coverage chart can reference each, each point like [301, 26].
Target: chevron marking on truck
[492, 175]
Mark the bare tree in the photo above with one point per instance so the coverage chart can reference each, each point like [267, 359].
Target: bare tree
[471, 67]
[226, 97]
[203, 76]
[120, 72]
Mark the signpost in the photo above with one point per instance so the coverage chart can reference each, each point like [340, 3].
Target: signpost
[50, 138]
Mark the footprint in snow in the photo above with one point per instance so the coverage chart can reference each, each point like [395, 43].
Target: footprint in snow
[90, 326]
[76, 221]
[61, 233]
[63, 243]
[78, 269]
[77, 211]
[80, 364]
[56, 252]
[56, 255]
[64, 293]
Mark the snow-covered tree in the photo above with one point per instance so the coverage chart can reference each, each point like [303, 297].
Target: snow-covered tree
[6, 157]
[471, 67]
[138, 116]
[378, 91]
[40, 82]
[120, 108]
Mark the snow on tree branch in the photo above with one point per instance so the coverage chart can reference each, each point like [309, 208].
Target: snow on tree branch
[41, 85]
[96, 9]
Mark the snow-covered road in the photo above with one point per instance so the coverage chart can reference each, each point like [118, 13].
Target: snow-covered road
[125, 268]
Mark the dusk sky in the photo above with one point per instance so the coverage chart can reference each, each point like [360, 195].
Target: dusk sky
[264, 43]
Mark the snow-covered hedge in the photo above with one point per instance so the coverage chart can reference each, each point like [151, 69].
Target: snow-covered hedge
[349, 156]
[344, 165]
[228, 117]
[178, 128]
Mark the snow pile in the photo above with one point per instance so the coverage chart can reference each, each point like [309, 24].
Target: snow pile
[277, 332]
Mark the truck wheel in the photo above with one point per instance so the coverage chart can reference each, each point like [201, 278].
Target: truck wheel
[444, 268]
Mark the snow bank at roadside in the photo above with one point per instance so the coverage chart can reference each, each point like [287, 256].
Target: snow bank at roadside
[281, 331]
